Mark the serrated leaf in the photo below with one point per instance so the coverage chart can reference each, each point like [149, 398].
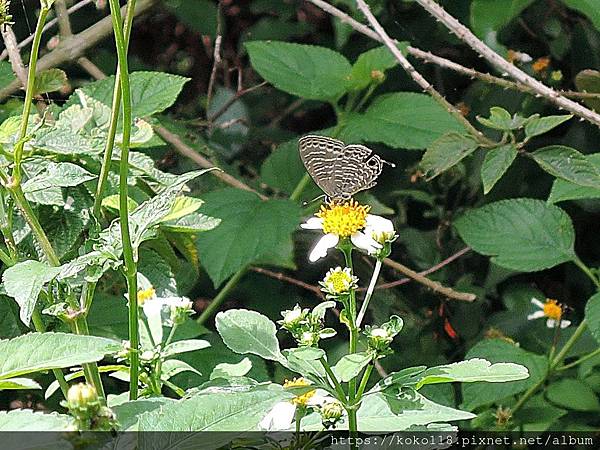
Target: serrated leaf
[377, 59]
[49, 81]
[520, 234]
[251, 229]
[18, 383]
[184, 346]
[224, 370]
[128, 412]
[563, 190]
[151, 92]
[24, 282]
[308, 71]
[568, 164]
[28, 420]
[246, 331]
[35, 352]
[496, 163]
[401, 120]
[306, 362]
[540, 125]
[193, 223]
[61, 141]
[349, 366]
[445, 152]
[283, 168]
[592, 316]
[500, 351]
[500, 119]
[573, 394]
[471, 370]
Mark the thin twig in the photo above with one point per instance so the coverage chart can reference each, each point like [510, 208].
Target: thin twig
[287, 111]
[416, 76]
[76, 45]
[192, 154]
[282, 277]
[234, 98]
[433, 285]
[216, 56]
[62, 15]
[25, 42]
[12, 50]
[464, 34]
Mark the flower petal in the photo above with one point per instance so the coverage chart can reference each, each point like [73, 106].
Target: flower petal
[314, 223]
[380, 224]
[536, 315]
[537, 303]
[320, 398]
[550, 323]
[279, 418]
[565, 323]
[364, 242]
[328, 241]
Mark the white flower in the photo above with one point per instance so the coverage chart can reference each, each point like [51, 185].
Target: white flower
[281, 416]
[380, 229]
[550, 309]
[379, 333]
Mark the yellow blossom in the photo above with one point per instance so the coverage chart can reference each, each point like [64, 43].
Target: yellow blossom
[301, 400]
[343, 219]
[145, 294]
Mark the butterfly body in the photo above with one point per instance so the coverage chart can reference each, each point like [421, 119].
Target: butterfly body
[340, 170]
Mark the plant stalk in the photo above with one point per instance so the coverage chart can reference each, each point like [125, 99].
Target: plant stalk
[369, 294]
[221, 296]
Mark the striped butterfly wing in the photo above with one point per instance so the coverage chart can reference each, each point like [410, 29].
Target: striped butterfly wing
[320, 155]
[357, 169]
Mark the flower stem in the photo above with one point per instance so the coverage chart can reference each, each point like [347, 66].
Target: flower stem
[363, 382]
[369, 294]
[585, 269]
[91, 371]
[334, 380]
[221, 296]
[580, 360]
[299, 189]
[128, 256]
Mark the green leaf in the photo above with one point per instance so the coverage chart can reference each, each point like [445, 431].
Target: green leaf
[568, 164]
[573, 394]
[234, 410]
[589, 81]
[592, 315]
[403, 409]
[127, 413]
[112, 202]
[446, 152]
[520, 234]
[540, 125]
[57, 175]
[349, 366]
[151, 92]
[310, 72]
[6, 74]
[471, 370]
[401, 120]
[500, 119]
[305, 361]
[24, 282]
[489, 16]
[496, 163]
[199, 15]
[193, 223]
[63, 142]
[18, 383]
[283, 168]
[49, 81]
[182, 207]
[27, 420]
[377, 59]
[35, 352]
[186, 345]
[224, 370]
[563, 190]
[172, 367]
[251, 229]
[590, 8]
[501, 351]
[246, 331]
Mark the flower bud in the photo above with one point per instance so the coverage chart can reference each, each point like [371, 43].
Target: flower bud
[82, 396]
[292, 318]
[331, 413]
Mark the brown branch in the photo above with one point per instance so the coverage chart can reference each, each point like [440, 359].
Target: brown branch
[416, 76]
[464, 34]
[216, 56]
[187, 151]
[14, 56]
[433, 285]
[282, 277]
[234, 98]
[72, 48]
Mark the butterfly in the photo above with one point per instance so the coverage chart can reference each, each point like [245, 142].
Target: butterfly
[340, 170]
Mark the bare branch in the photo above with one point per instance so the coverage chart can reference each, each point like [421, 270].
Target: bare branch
[416, 76]
[282, 277]
[216, 56]
[10, 41]
[234, 98]
[464, 34]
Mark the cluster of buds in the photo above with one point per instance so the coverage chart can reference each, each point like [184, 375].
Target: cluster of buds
[85, 406]
[380, 338]
[307, 326]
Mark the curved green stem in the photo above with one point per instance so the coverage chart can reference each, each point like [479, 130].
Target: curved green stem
[221, 296]
[128, 256]
[580, 360]
[336, 384]
[585, 269]
[58, 373]
[363, 382]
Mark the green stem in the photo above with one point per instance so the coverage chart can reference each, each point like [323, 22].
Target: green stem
[221, 296]
[585, 269]
[128, 256]
[35, 48]
[299, 189]
[81, 327]
[363, 382]
[336, 384]
[369, 294]
[580, 360]
[58, 374]
[6, 258]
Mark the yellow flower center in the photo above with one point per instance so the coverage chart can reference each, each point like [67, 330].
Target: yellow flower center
[301, 400]
[144, 295]
[552, 309]
[339, 281]
[343, 219]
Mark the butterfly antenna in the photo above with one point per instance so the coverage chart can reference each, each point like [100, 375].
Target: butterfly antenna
[313, 200]
[389, 163]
